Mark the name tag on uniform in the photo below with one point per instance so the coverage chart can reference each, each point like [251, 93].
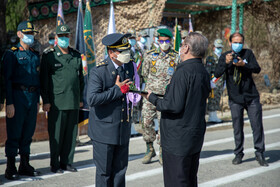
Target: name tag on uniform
[57, 65]
[22, 58]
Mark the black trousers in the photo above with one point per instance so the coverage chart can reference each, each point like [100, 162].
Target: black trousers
[254, 110]
[180, 171]
[111, 164]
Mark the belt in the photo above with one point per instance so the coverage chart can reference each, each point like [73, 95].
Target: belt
[25, 88]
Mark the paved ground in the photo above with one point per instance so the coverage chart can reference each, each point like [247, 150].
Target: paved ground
[215, 161]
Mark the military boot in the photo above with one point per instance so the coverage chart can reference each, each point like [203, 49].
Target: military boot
[160, 155]
[25, 168]
[149, 153]
[11, 171]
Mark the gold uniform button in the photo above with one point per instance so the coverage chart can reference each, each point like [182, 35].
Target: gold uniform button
[122, 99]
[122, 109]
[121, 120]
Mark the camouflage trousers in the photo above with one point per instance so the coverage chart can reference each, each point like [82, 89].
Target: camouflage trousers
[214, 99]
[149, 113]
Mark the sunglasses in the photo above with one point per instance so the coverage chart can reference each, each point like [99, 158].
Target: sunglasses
[162, 41]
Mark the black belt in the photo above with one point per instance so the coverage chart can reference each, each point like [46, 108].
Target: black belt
[25, 88]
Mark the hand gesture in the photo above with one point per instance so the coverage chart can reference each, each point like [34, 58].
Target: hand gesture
[240, 62]
[47, 107]
[120, 84]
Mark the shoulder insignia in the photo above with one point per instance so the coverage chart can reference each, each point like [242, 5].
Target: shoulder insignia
[46, 51]
[14, 48]
[21, 48]
[153, 50]
[102, 63]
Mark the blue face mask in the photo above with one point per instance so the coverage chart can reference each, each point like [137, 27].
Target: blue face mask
[132, 42]
[218, 51]
[28, 39]
[236, 47]
[156, 40]
[51, 42]
[63, 42]
[143, 40]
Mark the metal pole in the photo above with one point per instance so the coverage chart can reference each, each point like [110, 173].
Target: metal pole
[241, 11]
[233, 17]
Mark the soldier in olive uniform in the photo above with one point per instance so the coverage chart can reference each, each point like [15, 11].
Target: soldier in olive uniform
[217, 85]
[62, 93]
[21, 72]
[110, 111]
[159, 66]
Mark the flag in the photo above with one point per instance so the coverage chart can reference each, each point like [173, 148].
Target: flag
[60, 16]
[177, 40]
[111, 26]
[80, 46]
[88, 37]
[190, 24]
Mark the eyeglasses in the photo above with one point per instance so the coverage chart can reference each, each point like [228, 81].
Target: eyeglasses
[162, 41]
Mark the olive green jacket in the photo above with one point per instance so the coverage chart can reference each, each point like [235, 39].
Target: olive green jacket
[62, 80]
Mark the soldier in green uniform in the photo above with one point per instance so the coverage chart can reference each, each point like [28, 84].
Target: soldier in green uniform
[21, 72]
[159, 66]
[217, 85]
[62, 93]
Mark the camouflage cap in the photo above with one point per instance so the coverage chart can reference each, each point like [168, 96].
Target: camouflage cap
[218, 43]
[132, 32]
[26, 26]
[62, 29]
[143, 33]
[184, 33]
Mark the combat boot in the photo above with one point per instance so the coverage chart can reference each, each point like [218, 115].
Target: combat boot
[11, 171]
[25, 168]
[150, 153]
[160, 155]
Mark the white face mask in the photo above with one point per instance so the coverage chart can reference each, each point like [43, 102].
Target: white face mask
[124, 56]
[164, 46]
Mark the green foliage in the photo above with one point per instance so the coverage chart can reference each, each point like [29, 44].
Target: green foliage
[14, 13]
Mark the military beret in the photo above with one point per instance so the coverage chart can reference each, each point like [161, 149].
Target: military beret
[117, 41]
[218, 43]
[62, 29]
[26, 26]
[165, 33]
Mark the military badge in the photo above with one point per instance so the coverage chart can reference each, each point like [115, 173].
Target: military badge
[124, 41]
[63, 28]
[154, 62]
[29, 25]
[113, 72]
[171, 63]
[170, 71]
[153, 70]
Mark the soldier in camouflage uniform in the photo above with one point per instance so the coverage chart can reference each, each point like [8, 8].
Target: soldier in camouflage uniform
[155, 44]
[217, 85]
[142, 41]
[159, 66]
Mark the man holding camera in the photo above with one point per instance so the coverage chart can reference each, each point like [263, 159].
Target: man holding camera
[238, 66]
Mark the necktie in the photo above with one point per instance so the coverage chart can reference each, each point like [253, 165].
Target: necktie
[120, 73]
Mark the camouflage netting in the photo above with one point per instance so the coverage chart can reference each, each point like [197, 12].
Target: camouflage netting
[136, 14]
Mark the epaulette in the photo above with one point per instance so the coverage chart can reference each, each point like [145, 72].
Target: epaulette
[14, 48]
[46, 51]
[153, 50]
[102, 63]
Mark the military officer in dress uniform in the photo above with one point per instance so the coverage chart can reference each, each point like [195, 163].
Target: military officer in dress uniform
[21, 72]
[217, 84]
[110, 115]
[62, 86]
[159, 66]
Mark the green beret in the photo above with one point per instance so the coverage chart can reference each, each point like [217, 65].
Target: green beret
[165, 33]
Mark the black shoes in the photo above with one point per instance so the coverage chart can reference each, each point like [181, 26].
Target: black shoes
[261, 160]
[237, 159]
[68, 167]
[25, 168]
[56, 170]
[11, 171]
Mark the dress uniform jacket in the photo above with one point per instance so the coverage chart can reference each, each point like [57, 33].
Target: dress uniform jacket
[62, 79]
[109, 121]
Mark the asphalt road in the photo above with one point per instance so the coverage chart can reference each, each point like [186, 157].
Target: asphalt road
[215, 167]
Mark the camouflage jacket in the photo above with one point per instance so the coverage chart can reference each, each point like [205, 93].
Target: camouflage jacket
[211, 63]
[158, 68]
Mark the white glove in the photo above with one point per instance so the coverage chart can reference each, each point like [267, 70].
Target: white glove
[212, 84]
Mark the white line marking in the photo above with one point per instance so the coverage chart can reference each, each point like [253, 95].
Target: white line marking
[239, 176]
[214, 142]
